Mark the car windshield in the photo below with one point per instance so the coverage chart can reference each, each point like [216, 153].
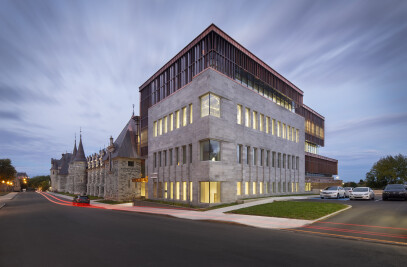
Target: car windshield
[331, 188]
[83, 197]
[360, 189]
[394, 186]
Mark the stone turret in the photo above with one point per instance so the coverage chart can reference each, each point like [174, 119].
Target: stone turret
[70, 177]
[79, 165]
[54, 174]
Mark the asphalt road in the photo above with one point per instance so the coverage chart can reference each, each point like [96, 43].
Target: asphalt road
[36, 232]
[368, 220]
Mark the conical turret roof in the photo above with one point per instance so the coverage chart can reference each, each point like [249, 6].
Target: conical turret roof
[74, 151]
[80, 154]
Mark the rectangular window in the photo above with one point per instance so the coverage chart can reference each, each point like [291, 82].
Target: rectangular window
[267, 124]
[267, 187]
[246, 188]
[165, 157]
[165, 124]
[247, 155]
[273, 160]
[296, 187]
[254, 156]
[297, 136]
[190, 153]
[210, 150]
[267, 158]
[191, 192]
[177, 119]
[165, 190]
[171, 122]
[160, 126]
[210, 105]
[254, 188]
[159, 159]
[184, 116]
[247, 117]
[177, 193]
[261, 188]
[279, 160]
[210, 192]
[177, 156]
[238, 188]
[170, 156]
[273, 127]
[307, 186]
[261, 157]
[288, 161]
[278, 129]
[288, 132]
[261, 119]
[297, 163]
[191, 117]
[292, 134]
[292, 162]
[184, 154]
[155, 128]
[130, 163]
[172, 190]
[254, 120]
[239, 153]
[155, 160]
[184, 191]
[239, 114]
[284, 131]
[274, 187]
[284, 160]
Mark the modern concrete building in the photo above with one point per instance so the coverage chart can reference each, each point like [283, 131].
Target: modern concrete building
[219, 125]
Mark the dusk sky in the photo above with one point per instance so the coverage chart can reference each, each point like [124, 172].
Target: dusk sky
[71, 64]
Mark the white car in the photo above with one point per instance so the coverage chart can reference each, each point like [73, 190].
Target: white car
[332, 192]
[348, 191]
[362, 193]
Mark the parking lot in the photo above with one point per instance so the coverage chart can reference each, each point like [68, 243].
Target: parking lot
[368, 220]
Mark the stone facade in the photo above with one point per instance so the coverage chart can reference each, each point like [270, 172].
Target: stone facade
[112, 173]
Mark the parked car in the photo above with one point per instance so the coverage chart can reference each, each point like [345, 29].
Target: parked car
[394, 191]
[362, 193]
[332, 192]
[81, 199]
[348, 191]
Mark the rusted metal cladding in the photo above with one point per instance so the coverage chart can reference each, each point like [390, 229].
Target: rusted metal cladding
[320, 165]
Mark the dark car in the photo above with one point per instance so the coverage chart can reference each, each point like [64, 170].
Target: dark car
[81, 199]
[394, 191]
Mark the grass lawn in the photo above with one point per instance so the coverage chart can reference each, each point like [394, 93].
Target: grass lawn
[292, 209]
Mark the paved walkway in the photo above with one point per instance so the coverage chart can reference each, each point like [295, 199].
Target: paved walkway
[9, 196]
[217, 214]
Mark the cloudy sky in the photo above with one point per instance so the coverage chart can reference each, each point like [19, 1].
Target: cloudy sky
[71, 64]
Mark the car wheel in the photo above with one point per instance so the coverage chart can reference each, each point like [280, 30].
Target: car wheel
[337, 196]
[384, 199]
[322, 197]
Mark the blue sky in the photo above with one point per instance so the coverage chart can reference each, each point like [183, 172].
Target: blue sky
[71, 64]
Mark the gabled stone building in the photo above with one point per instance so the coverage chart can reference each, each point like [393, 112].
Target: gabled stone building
[114, 173]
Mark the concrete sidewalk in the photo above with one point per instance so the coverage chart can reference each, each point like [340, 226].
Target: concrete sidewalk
[9, 196]
[217, 214]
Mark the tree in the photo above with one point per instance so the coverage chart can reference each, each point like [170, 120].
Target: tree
[388, 170]
[350, 184]
[39, 182]
[7, 171]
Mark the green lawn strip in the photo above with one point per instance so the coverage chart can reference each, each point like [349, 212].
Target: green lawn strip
[292, 209]
[112, 202]
[73, 195]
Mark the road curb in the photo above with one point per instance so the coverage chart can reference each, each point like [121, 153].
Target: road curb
[336, 212]
[2, 205]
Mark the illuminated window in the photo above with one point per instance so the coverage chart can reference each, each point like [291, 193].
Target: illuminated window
[288, 132]
[238, 188]
[160, 126]
[165, 124]
[177, 119]
[273, 127]
[143, 189]
[284, 132]
[278, 129]
[210, 150]
[261, 123]
[254, 188]
[184, 191]
[191, 117]
[171, 190]
[297, 136]
[296, 187]
[210, 192]
[246, 188]
[239, 114]
[190, 191]
[165, 190]
[292, 134]
[171, 122]
[261, 188]
[266, 185]
[255, 120]
[247, 117]
[155, 128]
[210, 105]
[267, 124]
[184, 116]
[307, 186]
[177, 192]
